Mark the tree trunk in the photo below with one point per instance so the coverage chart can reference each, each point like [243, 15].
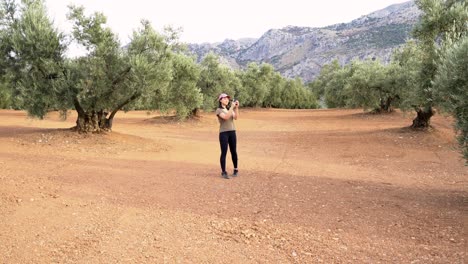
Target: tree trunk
[386, 105]
[195, 112]
[93, 122]
[96, 122]
[423, 118]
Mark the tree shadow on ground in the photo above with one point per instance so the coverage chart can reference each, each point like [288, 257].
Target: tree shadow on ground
[12, 131]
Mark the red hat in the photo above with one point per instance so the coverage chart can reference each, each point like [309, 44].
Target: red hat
[221, 96]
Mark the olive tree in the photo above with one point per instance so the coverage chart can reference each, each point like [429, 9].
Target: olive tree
[334, 92]
[274, 97]
[441, 21]
[215, 78]
[372, 85]
[109, 78]
[5, 91]
[183, 93]
[255, 80]
[33, 64]
[451, 88]
[404, 73]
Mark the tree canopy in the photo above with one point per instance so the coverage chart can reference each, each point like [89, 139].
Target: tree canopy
[451, 88]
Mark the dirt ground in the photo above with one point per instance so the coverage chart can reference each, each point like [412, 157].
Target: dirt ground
[315, 186]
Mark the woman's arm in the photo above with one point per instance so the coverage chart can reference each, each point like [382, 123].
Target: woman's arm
[227, 115]
[236, 110]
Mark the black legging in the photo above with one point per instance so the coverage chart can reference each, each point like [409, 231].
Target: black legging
[225, 138]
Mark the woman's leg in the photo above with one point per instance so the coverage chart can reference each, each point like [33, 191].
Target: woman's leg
[233, 147]
[223, 142]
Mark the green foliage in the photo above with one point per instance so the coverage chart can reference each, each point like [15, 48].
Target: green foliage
[296, 96]
[94, 74]
[441, 22]
[34, 58]
[5, 34]
[326, 74]
[109, 77]
[364, 88]
[451, 88]
[406, 64]
[5, 96]
[277, 85]
[263, 87]
[255, 80]
[335, 95]
[373, 86]
[215, 78]
[5, 90]
[183, 93]
[149, 68]
[427, 32]
[234, 82]
[368, 84]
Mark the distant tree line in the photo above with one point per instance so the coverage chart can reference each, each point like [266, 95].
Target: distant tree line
[429, 71]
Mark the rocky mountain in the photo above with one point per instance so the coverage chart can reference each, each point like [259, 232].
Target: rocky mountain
[302, 51]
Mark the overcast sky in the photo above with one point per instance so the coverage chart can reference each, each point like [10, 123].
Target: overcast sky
[217, 20]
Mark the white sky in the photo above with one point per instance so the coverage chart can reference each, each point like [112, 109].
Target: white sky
[217, 20]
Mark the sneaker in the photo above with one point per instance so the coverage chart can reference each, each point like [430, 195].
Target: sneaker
[235, 173]
[224, 175]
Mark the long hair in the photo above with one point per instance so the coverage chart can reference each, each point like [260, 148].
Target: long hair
[220, 105]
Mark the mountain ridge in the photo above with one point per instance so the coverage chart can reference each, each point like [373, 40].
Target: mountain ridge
[301, 51]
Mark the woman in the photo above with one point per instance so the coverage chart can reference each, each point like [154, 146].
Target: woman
[227, 132]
